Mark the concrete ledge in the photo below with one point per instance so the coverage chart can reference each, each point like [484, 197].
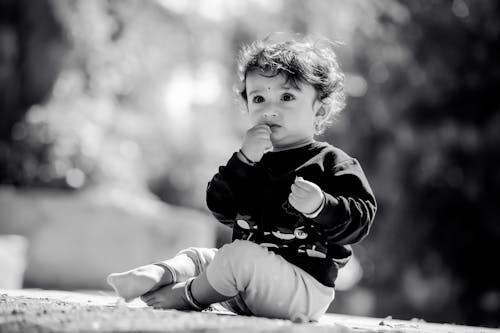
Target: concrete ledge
[34, 310]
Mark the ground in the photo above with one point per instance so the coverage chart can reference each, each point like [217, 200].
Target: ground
[57, 311]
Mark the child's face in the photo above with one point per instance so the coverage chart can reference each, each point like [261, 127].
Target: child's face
[289, 112]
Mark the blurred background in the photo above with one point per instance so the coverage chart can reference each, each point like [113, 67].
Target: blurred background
[114, 115]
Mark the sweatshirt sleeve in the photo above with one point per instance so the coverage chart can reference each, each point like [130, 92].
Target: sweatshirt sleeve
[230, 190]
[350, 204]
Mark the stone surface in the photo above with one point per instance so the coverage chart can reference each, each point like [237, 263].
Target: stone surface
[76, 239]
[57, 311]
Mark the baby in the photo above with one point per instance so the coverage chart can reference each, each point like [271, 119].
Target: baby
[294, 204]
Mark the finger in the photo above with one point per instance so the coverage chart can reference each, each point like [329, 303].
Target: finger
[305, 184]
[304, 187]
[263, 127]
[302, 182]
[264, 134]
[295, 202]
[258, 134]
[265, 140]
[151, 302]
[299, 192]
[147, 297]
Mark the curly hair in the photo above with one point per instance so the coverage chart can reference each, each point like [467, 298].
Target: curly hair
[301, 60]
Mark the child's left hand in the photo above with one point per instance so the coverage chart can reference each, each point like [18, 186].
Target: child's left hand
[306, 197]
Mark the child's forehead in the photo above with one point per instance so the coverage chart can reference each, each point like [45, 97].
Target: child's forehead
[260, 79]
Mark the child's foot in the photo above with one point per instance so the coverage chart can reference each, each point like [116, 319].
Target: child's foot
[136, 282]
[168, 297]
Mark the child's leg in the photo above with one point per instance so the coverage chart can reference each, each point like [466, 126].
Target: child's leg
[268, 284]
[138, 281]
[174, 296]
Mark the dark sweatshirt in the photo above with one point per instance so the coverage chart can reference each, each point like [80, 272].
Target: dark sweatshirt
[253, 201]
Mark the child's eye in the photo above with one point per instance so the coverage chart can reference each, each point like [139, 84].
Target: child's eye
[287, 97]
[258, 99]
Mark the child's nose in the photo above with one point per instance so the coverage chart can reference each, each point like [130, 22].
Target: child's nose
[269, 114]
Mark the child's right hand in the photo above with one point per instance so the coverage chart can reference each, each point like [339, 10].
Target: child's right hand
[257, 142]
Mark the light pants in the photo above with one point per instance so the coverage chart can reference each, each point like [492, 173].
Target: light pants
[258, 282]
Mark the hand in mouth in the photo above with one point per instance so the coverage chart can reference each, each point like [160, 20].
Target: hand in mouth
[272, 126]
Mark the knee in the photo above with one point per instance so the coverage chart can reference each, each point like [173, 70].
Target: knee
[239, 262]
[241, 255]
[241, 252]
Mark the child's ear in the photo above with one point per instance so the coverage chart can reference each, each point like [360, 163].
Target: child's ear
[321, 111]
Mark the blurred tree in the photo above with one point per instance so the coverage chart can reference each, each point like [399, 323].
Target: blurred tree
[453, 176]
[32, 50]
